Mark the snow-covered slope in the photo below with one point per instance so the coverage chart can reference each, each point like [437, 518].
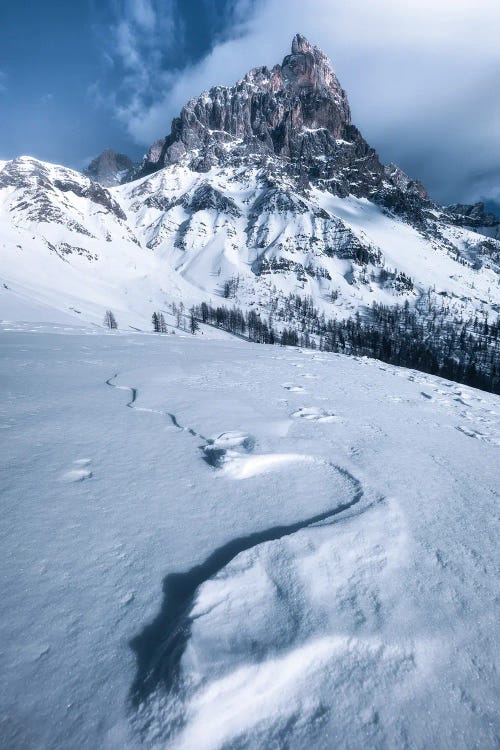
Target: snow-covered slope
[234, 223]
[261, 190]
[178, 234]
[65, 243]
[325, 529]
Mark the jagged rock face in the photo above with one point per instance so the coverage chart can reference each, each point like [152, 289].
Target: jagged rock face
[404, 196]
[405, 183]
[475, 217]
[110, 168]
[206, 197]
[296, 111]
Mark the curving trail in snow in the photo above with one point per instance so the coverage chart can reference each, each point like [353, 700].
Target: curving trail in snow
[131, 404]
[161, 645]
[159, 648]
[375, 627]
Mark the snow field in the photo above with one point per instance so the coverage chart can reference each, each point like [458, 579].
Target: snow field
[336, 547]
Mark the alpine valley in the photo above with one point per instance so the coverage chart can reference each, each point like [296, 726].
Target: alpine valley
[209, 542]
[267, 195]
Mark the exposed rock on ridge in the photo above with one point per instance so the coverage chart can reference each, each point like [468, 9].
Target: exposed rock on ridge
[296, 111]
[110, 168]
[40, 190]
[475, 217]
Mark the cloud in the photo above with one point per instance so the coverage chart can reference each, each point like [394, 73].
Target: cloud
[133, 50]
[422, 76]
[143, 13]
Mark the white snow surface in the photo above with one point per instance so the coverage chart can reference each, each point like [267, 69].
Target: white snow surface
[373, 628]
[74, 255]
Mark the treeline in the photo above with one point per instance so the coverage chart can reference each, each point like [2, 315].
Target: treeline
[467, 351]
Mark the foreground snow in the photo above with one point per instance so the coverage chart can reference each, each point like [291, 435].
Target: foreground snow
[332, 523]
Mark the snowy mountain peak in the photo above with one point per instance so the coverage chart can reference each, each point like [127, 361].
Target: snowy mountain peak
[110, 168]
[263, 195]
[41, 189]
[296, 111]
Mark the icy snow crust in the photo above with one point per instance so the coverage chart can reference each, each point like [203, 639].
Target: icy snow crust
[367, 618]
[182, 234]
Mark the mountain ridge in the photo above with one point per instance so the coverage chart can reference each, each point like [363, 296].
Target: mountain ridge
[297, 111]
[249, 221]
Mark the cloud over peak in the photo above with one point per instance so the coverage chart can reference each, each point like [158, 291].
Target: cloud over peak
[421, 76]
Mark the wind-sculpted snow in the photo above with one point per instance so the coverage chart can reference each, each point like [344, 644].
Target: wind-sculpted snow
[222, 468]
[286, 635]
[160, 647]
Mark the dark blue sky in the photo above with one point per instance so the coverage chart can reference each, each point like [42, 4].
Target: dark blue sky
[78, 76]
[61, 77]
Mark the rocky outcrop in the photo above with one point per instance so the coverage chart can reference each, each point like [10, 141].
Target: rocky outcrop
[475, 217]
[206, 197]
[404, 196]
[110, 168]
[296, 111]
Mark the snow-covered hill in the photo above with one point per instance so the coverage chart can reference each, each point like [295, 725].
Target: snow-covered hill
[261, 190]
[178, 234]
[66, 244]
[266, 548]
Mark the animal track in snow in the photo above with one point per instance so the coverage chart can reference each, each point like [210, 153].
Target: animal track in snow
[230, 451]
[132, 405]
[227, 445]
[314, 414]
[79, 473]
[224, 451]
[161, 644]
[293, 388]
[470, 432]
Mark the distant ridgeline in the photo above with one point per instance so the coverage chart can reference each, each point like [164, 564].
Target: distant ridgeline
[467, 351]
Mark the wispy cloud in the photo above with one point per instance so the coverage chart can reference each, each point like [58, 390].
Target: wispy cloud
[143, 13]
[419, 75]
[144, 45]
[142, 32]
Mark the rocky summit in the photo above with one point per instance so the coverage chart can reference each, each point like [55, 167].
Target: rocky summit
[296, 111]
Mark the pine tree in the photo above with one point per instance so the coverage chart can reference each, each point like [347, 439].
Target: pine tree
[156, 322]
[193, 323]
[162, 324]
[110, 320]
